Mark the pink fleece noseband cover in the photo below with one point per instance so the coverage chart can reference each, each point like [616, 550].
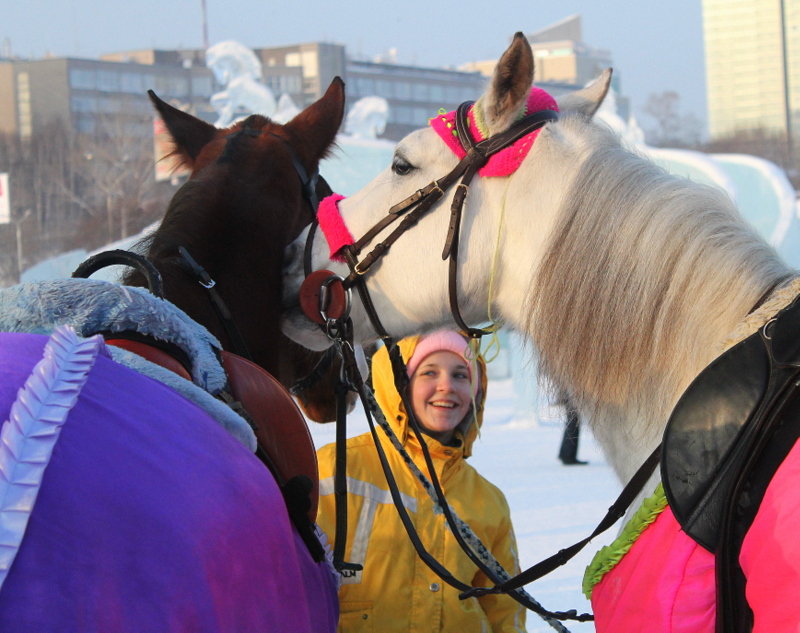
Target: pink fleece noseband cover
[506, 161]
[332, 225]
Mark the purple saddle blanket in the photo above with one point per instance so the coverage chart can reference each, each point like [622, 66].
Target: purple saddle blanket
[152, 519]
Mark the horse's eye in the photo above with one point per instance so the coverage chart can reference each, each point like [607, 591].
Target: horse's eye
[401, 166]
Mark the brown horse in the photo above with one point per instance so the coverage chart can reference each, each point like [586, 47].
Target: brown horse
[153, 513]
[242, 205]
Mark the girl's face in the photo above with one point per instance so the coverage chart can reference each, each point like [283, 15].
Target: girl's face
[441, 393]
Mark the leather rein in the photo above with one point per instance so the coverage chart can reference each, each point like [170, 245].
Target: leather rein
[411, 209]
[408, 212]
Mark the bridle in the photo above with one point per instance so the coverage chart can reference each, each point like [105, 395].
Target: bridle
[415, 206]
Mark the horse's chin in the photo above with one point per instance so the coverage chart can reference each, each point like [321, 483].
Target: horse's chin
[297, 327]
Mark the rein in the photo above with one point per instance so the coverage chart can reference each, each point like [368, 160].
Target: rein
[475, 549]
[617, 509]
[413, 208]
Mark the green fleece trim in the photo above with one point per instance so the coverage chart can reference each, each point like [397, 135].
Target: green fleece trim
[607, 558]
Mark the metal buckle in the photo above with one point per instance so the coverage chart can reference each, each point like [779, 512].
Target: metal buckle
[357, 270]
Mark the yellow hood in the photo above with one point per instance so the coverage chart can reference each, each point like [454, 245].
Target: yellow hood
[391, 404]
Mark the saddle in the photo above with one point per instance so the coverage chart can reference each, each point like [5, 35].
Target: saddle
[728, 434]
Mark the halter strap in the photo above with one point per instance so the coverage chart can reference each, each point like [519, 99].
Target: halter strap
[201, 276]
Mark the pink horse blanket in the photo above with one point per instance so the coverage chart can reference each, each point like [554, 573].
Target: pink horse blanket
[666, 581]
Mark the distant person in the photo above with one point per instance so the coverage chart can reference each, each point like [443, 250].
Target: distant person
[396, 591]
[568, 452]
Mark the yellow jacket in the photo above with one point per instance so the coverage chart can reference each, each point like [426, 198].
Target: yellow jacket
[396, 591]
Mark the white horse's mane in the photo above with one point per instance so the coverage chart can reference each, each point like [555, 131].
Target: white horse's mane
[644, 275]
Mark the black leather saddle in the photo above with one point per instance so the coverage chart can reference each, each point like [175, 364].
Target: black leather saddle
[725, 439]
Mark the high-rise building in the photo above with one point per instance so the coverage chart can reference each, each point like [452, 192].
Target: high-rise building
[752, 51]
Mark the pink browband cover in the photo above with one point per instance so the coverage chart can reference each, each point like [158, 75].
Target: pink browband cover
[506, 161]
[332, 225]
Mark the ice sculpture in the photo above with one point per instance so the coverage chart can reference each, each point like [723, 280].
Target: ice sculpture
[367, 118]
[238, 69]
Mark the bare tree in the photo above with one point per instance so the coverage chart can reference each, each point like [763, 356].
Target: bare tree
[762, 142]
[670, 127]
[77, 190]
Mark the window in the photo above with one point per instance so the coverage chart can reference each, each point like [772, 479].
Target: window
[82, 79]
[132, 83]
[84, 104]
[108, 81]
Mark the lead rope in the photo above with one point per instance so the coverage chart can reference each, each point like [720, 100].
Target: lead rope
[340, 333]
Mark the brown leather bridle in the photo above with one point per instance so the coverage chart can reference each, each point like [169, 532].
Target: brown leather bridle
[412, 209]
[415, 206]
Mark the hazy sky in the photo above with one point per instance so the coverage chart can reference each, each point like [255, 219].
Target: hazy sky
[655, 45]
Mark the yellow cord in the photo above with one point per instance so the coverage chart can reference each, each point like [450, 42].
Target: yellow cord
[492, 349]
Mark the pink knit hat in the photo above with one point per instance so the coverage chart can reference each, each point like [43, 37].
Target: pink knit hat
[441, 341]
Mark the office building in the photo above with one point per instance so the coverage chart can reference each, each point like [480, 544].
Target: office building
[752, 55]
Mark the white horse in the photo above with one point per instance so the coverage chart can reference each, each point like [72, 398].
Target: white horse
[626, 280]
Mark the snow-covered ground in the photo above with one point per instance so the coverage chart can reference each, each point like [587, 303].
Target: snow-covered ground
[552, 505]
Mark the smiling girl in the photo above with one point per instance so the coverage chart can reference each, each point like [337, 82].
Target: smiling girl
[396, 591]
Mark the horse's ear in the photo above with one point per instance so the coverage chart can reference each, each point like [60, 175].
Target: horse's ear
[318, 124]
[511, 83]
[189, 133]
[586, 101]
